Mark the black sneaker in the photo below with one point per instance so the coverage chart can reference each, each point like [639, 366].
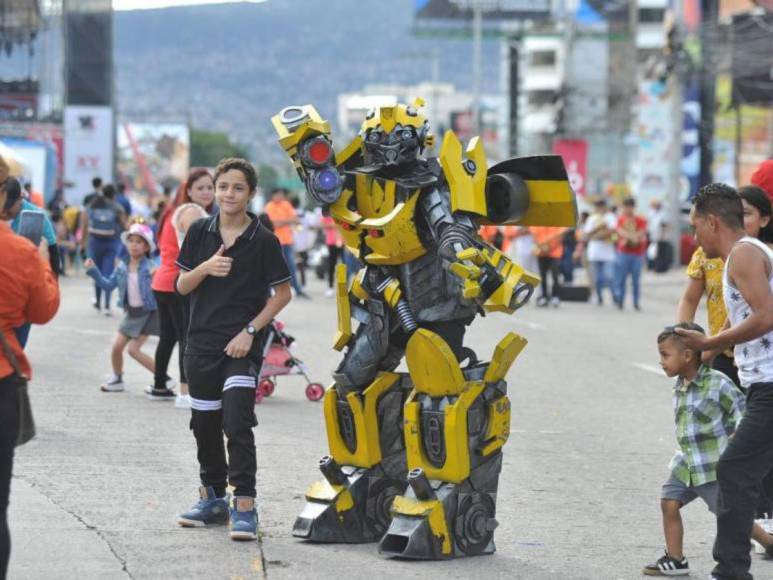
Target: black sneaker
[161, 395]
[667, 566]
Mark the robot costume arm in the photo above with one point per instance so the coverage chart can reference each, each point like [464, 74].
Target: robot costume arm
[460, 247]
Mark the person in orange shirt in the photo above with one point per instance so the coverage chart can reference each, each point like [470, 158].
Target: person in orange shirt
[548, 248]
[30, 294]
[284, 218]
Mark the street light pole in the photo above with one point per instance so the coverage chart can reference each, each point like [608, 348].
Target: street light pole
[676, 92]
[477, 39]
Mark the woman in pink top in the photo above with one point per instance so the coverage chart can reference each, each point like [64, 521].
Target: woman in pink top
[194, 198]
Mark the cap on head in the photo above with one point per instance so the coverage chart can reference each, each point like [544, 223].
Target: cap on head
[141, 230]
[763, 177]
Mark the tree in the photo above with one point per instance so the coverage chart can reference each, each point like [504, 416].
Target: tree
[268, 177]
[208, 148]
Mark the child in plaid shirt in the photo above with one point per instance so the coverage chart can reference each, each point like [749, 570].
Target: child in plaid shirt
[707, 409]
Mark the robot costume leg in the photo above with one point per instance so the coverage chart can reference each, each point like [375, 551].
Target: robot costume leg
[456, 422]
[366, 467]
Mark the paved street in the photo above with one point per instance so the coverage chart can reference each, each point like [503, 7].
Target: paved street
[95, 495]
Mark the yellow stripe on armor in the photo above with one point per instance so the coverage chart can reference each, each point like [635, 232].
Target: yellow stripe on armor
[498, 430]
[344, 309]
[432, 510]
[433, 367]
[551, 203]
[468, 192]
[504, 355]
[364, 409]
[457, 465]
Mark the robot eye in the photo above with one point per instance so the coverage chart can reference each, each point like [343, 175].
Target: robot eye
[374, 137]
[407, 134]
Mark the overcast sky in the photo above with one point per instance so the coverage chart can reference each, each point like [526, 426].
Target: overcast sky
[147, 4]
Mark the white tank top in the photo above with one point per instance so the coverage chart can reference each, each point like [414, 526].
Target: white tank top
[754, 359]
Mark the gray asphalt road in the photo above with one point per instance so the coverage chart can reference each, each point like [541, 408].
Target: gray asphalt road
[95, 495]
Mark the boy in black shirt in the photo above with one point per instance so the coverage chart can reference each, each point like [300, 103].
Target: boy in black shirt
[229, 263]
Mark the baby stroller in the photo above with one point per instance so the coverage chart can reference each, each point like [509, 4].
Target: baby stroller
[278, 360]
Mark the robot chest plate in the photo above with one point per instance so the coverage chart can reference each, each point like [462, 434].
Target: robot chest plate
[377, 222]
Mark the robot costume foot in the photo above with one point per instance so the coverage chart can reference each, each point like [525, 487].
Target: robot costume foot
[438, 521]
[366, 467]
[456, 422]
[351, 505]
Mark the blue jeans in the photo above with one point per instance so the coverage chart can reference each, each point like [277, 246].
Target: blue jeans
[103, 251]
[625, 265]
[290, 259]
[601, 277]
[23, 334]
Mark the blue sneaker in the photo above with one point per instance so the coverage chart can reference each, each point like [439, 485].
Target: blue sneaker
[244, 519]
[210, 510]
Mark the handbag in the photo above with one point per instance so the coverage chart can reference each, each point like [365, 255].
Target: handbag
[26, 421]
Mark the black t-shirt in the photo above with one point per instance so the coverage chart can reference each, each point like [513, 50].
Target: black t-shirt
[222, 307]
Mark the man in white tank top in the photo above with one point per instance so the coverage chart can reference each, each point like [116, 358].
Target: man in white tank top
[717, 217]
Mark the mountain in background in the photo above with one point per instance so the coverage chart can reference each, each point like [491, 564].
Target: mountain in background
[231, 67]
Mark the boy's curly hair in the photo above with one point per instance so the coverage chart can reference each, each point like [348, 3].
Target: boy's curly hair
[722, 201]
[239, 164]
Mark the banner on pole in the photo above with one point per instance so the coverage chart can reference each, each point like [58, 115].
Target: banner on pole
[88, 149]
[574, 152]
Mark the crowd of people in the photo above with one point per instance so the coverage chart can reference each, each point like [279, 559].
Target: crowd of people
[613, 245]
[193, 270]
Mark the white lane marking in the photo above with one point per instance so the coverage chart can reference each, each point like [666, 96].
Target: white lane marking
[649, 368]
[532, 325]
[84, 331]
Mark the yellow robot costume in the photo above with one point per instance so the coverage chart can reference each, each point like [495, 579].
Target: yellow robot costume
[415, 457]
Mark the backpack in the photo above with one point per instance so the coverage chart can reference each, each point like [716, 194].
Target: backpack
[103, 221]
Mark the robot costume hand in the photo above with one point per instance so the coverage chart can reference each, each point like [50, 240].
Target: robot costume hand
[479, 275]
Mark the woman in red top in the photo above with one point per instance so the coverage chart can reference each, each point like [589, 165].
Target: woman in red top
[631, 247]
[195, 197]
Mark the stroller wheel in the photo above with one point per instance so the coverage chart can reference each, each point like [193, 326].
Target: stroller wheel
[314, 391]
[266, 387]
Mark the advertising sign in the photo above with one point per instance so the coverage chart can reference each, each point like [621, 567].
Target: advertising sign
[492, 9]
[574, 152]
[88, 149]
[151, 155]
[650, 171]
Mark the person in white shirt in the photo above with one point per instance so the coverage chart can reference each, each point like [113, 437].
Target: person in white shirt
[598, 232]
[747, 287]
[658, 251]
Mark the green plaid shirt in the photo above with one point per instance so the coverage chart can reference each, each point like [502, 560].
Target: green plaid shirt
[707, 411]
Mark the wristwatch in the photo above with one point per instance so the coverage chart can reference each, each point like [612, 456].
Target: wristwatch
[251, 330]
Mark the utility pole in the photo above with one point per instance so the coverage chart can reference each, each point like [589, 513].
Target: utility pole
[709, 41]
[632, 81]
[477, 65]
[676, 92]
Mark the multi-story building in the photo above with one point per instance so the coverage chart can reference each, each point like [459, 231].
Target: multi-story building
[575, 80]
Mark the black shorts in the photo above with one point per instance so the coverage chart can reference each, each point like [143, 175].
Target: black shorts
[210, 375]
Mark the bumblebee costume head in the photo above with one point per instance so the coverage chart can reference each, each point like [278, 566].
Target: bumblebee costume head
[395, 135]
